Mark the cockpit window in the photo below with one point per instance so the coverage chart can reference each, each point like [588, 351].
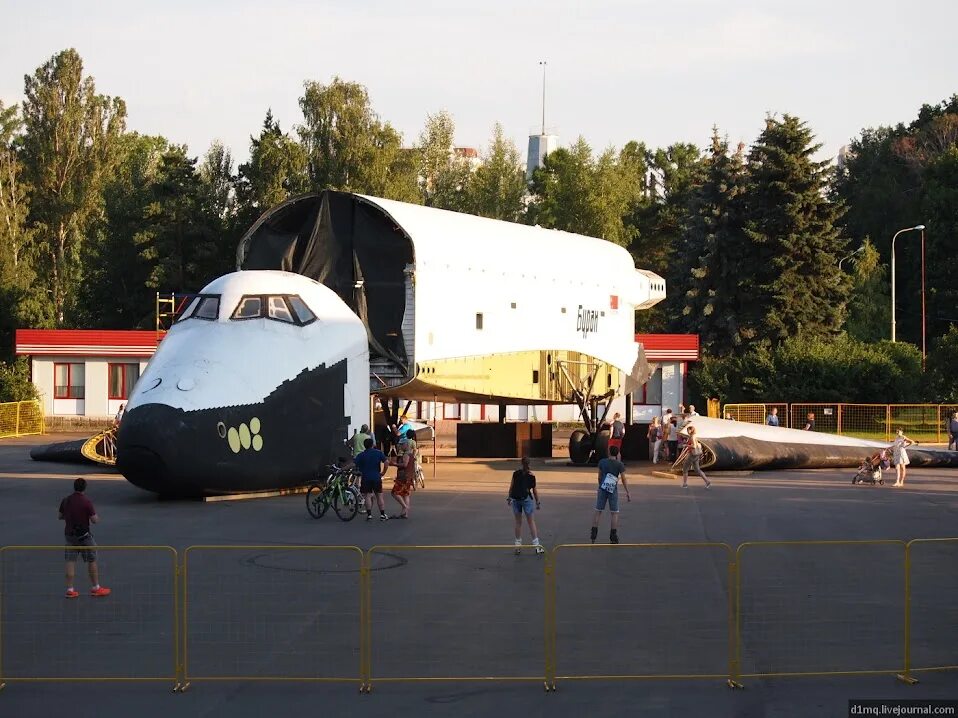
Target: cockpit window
[202, 306]
[286, 308]
[303, 313]
[187, 309]
[249, 308]
[279, 311]
[208, 308]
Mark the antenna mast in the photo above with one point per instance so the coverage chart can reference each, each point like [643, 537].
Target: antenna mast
[543, 63]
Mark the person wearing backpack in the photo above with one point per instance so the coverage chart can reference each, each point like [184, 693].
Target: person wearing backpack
[77, 513]
[611, 472]
[522, 493]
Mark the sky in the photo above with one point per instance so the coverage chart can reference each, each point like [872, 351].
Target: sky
[658, 72]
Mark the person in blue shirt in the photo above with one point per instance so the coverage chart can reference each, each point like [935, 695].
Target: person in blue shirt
[772, 419]
[372, 465]
[611, 472]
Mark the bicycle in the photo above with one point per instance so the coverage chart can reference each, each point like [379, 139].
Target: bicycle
[339, 491]
[420, 479]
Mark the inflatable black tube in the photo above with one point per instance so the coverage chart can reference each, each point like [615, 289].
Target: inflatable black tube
[741, 452]
[65, 452]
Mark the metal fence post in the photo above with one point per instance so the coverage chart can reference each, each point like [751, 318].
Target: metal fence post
[16, 428]
[734, 647]
[906, 677]
[839, 419]
[365, 629]
[550, 622]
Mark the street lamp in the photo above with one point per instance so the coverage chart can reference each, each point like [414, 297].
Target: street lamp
[849, 257]
[921, 228]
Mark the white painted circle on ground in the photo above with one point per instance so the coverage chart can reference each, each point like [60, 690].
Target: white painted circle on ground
[185, 384]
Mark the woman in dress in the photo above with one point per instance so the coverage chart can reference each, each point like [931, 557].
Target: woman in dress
[693, 457]
[655, 439]
[405, 473]
[899, 456]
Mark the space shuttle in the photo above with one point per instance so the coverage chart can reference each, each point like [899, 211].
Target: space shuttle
[340, 296]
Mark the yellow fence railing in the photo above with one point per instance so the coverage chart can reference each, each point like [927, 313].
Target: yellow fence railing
[879, 422]
[130, 635]
[20, 418]
[417, 613]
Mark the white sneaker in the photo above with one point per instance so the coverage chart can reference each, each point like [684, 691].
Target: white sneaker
[518, 549]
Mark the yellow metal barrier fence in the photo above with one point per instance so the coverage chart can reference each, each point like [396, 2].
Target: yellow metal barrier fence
[607, 627]
[932, 608]
[276, 613]
[877, 422]
[419, 596]
[20, 418]
[130, 635]
[814, 608]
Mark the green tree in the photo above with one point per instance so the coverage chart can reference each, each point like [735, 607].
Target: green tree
[714, 246]
[348, 147]
[659, 222]
[443, 176]
[115, 293]
[15, 384]
[498, 186]
[562, 190]
[69, 150]
[20, 304]
[276, 171]
[790, 266]
[180, 241]
[897, 177]
[869, 313]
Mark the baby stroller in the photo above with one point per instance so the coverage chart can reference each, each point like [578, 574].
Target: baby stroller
[870, 470]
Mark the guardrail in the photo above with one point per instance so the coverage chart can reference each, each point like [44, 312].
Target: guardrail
[409, 613]
[20, 418]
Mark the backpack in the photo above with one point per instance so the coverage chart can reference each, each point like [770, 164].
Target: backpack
[609, 482]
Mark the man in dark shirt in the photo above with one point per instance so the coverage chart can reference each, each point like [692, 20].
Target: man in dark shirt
[77, 513]
[611, 472]
[810, 422]
[522, 491]
[618, 432]
[953, 431]
[372, 465]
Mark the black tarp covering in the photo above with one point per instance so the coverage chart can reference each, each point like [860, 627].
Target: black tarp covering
[342, 241]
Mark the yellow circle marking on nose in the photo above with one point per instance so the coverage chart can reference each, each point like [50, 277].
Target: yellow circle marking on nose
[257, 442]
[244, 436]
[254, 425]
[233, 437]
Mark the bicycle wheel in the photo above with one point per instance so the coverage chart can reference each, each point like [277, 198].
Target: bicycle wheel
[346, 504]
[317, 501]
[420, 477]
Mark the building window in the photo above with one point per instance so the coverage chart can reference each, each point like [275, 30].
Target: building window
[123, 378]
[69, 381]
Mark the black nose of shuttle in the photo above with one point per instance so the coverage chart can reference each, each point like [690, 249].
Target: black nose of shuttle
[151, 450]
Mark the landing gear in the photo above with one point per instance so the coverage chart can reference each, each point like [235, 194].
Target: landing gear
[590, 444]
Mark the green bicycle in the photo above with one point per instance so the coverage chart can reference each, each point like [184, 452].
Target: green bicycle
[339, 491]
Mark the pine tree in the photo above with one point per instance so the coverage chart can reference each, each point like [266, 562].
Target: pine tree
[789, 268]
[714, 243]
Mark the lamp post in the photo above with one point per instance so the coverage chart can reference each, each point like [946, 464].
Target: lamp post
[843, 259]
[920, 227]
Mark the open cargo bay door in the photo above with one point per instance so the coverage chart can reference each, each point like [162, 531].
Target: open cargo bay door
[352, 247]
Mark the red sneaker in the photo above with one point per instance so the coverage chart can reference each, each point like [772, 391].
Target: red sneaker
[99, 592]
[71, 594]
